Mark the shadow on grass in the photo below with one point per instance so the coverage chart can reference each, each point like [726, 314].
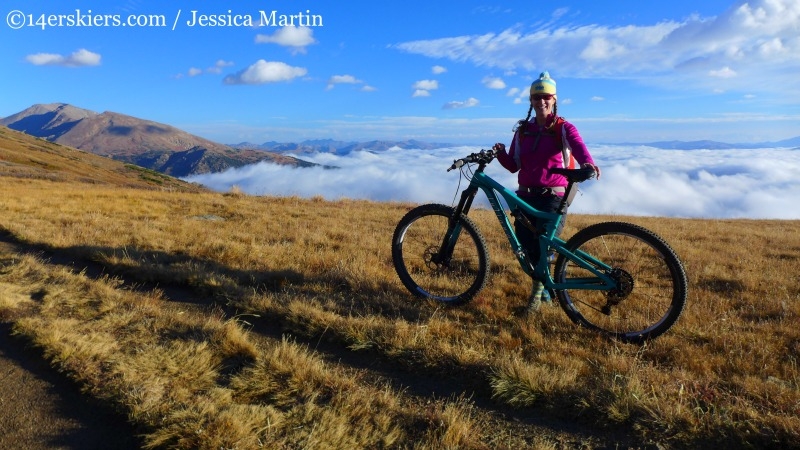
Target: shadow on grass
[201, 286]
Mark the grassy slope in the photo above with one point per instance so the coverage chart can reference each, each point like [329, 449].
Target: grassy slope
[725, 374]
[26, 157]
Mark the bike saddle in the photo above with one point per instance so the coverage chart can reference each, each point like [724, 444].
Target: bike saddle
[575, 175]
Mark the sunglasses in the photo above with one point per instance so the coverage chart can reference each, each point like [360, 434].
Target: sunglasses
[538, 97]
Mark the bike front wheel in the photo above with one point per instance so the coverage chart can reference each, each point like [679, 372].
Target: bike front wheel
[651, 282]
[437, 259]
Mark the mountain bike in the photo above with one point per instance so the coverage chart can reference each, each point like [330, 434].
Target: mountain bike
[617, 278]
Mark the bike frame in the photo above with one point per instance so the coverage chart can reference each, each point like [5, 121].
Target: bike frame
[547, 238]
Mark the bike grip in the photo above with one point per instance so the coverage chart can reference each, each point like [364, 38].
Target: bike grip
[456, 164]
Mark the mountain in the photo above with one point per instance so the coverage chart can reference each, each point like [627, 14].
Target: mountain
[793, 142]
[148, 144]
[690, 145]
[345, 147]
[339, 147]
[714, 145]
[26, 157]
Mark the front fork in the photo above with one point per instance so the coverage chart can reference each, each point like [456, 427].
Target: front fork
[454, 226]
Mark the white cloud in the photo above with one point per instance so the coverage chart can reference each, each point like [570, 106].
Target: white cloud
[422, 88]
[215, 69]
[349, 79]
[493, 83]
[749, 38]
[218, 66]
[437, 70]
[773, 48]
[79, 58]
[266, 72]
[297, 38]
[560, 12]
[600, 48]
[636, 180]
[342, 79]
[725, 72]
[469, 103]
[427, 85]
[597, 98]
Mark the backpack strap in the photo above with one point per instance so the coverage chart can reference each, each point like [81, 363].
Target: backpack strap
[522, 128]
[567, 160]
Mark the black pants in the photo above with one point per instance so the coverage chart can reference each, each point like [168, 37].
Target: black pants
[529, 239]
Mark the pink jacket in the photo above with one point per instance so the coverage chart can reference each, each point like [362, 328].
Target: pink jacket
[533, 163]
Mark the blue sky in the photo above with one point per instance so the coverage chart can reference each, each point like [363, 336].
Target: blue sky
[438, 71]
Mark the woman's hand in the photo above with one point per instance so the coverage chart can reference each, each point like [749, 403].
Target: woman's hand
[499, 148]
[595, 168]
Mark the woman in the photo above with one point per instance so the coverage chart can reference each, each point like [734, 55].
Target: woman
[539, 145]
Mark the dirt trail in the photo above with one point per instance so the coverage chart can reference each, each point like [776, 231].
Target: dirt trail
[42, 409]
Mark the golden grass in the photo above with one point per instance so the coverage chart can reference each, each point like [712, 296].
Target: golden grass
[200, 381]
[25, 157]
[725, 374]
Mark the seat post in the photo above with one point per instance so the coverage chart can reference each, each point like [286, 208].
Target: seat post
[566, 200]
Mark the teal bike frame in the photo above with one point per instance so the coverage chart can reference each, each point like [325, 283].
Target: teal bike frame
[539, 270]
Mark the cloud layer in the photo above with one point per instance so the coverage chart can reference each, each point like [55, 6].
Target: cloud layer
[635, 180]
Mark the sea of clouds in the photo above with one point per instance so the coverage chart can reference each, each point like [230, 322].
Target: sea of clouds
[636, 180]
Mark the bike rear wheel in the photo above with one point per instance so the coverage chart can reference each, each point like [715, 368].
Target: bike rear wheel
[452, 276]
[652, 282]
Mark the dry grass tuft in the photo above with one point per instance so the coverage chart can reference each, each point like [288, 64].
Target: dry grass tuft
[726, 374]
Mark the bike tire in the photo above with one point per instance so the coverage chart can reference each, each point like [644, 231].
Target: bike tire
[419, 236]
[652, 279]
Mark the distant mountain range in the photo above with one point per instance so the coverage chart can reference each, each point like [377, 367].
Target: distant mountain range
[339, 147]
[345, 147]
[714, 145]
[174, 152]
[145, 143]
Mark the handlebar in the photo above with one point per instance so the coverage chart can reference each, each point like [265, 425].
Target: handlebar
[482, 157]
[486, 156]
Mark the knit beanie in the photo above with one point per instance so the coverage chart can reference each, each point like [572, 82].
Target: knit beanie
[544, 85]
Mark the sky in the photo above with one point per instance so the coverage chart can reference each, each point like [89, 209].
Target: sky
[451, 72]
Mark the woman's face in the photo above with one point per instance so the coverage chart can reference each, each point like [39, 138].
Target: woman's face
[543, 104]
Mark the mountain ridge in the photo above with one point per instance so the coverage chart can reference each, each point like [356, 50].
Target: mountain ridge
[27, 157]
[713, 145]
[340, 147]
[146, 143]
[345, 147]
